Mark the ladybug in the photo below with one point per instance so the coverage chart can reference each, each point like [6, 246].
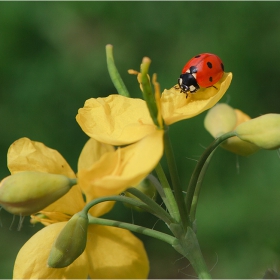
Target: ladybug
[203, 70]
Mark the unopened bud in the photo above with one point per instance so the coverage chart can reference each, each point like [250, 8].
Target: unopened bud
[263, 131]
[239, 147]
[222, 119]
[70, 243]
[28, 192]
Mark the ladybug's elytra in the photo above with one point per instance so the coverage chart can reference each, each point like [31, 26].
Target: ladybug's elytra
[203, 70]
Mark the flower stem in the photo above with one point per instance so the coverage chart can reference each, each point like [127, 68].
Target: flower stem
[135, 202]
[135, 228]
[198, 187]
[114, 73]
[175, 181]
[188, 246]
[196, 178]
[166, 194]
[152, 204]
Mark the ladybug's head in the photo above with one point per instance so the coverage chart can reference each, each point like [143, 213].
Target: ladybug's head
[188, 83]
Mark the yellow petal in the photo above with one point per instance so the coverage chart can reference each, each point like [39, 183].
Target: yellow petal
[92, 152]
[69, 204]
[241, 117]
[115, 253]
[115, 120]
[27, 155]
[176, 107]
[48, 218]
[118, 170]
[31, 261]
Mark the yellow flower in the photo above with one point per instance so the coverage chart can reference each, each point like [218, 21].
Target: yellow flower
[110, 252]
[176, 107]
[222, 119]
[27, 155]
[120, 120]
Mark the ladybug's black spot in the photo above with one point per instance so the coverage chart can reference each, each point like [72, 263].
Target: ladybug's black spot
[210, 79]
[209, 64]
[222, 66]
[197, 56]
[193, 69]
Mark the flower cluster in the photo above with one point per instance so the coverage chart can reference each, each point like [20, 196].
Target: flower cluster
[104, 246]
[127, 141]
[125, 145]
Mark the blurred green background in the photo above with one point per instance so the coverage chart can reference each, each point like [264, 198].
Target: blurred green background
[53, 59]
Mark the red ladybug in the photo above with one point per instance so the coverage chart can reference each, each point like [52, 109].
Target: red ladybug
[203, 70]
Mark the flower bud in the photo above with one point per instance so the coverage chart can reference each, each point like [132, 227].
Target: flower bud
[222, 119]
[70, 243]
[28, 192]
[239, 147]
[263, 131]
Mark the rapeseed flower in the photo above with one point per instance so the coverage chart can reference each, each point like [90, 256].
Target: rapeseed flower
[120, 120]
[110, 252]
[103, 171]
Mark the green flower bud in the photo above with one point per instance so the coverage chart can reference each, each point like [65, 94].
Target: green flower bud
[239, 147]
[147, 188]
[70, 243]
[222, 119]
[28, 192]
[263, 131]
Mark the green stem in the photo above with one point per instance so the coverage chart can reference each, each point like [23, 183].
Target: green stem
[135, 228]
[166, 194]
[151, 203]
[188, 246]
[198, 187]
[175, 180]
[135, 202]
[199, 167]
[114, 73]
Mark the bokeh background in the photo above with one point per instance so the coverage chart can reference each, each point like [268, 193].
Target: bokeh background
[53, 59]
